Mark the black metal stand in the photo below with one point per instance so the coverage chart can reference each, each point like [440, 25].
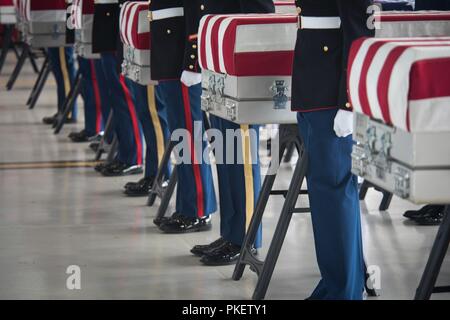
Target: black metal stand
[19, 65]
[7, 43]
[166, 195]
[39, 84]
[68, 103]
[159, 188]
[288, 138]
[387, 196]
[288, 135]
[433, 267]
[108, 132]
[32, 59]
[113, 150]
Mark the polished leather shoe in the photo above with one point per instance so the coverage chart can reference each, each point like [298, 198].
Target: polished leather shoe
[106, 165]
[225, 255]
[201, 250]
[94, 146]
[118, 168]
[50, 120]
[433, 219]
[183, 224]
[426, 210]
[102, 165]
[160, 221]
[139, 189]
[81, 136]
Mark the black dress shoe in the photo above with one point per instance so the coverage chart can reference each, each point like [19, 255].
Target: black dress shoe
[118, 168]
[160, 221]
[106, 165]
[102, 165]
[225, 255]
[432, 219]
[69, 120]
[81, 136]
[94, 146]
[50, 120]
[183, 224]
[426, 210]
[201, 250]
[139, 189]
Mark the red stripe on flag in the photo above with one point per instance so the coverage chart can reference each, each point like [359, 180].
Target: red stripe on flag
[229, 43]
[202, 49]
[127, 22]
[406, 17]
[37, 5]
[362, 88]
[6, 3]
[386, 73]
[88, 6]
[430, 79]
[215, 42]
[385, 79]
[276, 63]
[354, 49]
[195, 165]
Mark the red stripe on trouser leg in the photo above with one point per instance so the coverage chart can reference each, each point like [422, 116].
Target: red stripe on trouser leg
[195, 165]
[131, 108]
[98, 100]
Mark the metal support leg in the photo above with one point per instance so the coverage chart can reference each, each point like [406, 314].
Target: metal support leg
[289, 153]
[113, 150]
[37, 84]
[387, 196]
[7, 44]
[386, 201]
[109, 129]
[264, 269]
[158, 188]
[46, 69]
[33, 62]
[68, 103]
[288, 135]
[14, 49]
[437, 255]
[282, 226]
[19, 65]
[168, 193]
[363, 190]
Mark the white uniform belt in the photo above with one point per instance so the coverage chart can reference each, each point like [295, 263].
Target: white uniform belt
[320, 22]
[166, 13]
[105, 1]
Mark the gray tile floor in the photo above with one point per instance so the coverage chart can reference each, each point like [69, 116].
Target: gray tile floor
[53, 218]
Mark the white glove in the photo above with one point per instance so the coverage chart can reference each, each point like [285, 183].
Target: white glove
[343, 123]
[191, 78]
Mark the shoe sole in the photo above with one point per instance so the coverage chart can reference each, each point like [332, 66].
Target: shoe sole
[217, 264]
[205, 228]
[199, 255]
[136, 195]
[128, 172]
[78, 141]
[429, 224]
